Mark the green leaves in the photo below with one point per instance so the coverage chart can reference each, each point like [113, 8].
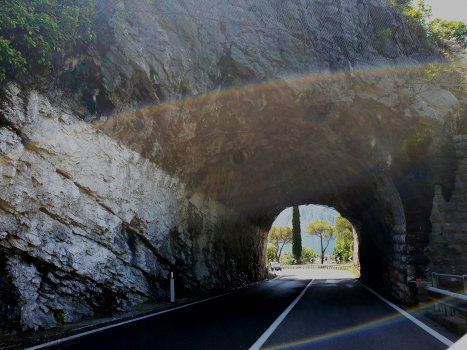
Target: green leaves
[308, 253]
[271, 254]
[344, 238]
[343, 249]
[450, 30]
[343, 228]
[31, 30]
[297, 234]
[279, 236]
[420, 15]
[320, 228]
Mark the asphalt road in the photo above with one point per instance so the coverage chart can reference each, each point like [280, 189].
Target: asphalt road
[336, 313]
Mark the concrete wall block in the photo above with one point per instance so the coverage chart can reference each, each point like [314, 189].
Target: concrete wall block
[436, 228]
[457, 138]
[449, 251]
[400, 238]
[450, 228]
[400, 248]
[461, 146]
[460, 188]
[455, 217]
[461, 215]
[398, 230]
[400, 257]
[440, 199]
[460, 154]
[436, 217]
[447, 206]
[439, 238]
[460, 238]
[457, 198]
[399, 266]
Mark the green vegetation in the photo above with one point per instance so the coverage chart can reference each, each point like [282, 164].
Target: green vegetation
[308, 253]
[344, 239]
[387, 33]
[286, 259]
[343, 250]
[418, 16]
[271, 254]
[32, 32]
[297, 235]
[323, 231]
[278, 237]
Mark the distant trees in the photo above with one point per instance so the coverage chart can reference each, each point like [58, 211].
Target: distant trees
[342, 228]
[271, 254]
[344, 238]
[323, 231]
[308, 253]
[297, 234]
[278, 237]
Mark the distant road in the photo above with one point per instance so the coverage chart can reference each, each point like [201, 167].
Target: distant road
[333, 313]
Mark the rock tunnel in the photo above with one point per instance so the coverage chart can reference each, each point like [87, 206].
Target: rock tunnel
[172, 145]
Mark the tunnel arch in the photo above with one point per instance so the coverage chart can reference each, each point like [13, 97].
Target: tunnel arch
[258, 149]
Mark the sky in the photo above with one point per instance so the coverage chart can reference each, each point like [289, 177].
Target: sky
[453, 10]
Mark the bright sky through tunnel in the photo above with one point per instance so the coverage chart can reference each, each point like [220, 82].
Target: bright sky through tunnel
[308, 214]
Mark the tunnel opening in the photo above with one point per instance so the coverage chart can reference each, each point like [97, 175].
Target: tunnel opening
[379, 251]
[328, 235]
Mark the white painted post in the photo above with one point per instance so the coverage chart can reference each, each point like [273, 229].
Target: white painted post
[172, 288]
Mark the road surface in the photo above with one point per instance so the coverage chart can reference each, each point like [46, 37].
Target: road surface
[332, 310]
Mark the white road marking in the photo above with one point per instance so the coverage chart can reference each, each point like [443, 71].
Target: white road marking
[461, 344]
[423, 326]
[259, 343]
[58, 341]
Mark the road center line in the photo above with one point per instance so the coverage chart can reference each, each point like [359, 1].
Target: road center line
[435, 334]
[259, 343]
[58, 341]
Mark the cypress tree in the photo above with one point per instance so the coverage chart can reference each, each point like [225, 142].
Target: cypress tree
[297, 234]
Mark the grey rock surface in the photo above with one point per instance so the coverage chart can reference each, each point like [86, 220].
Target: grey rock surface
[174, 141]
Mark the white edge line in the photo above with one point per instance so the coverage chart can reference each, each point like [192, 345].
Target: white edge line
[58, 341]
[435, 334]
[259, 343]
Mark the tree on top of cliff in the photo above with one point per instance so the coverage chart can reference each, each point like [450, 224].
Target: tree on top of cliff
[418, 17]
[34, 32]
[297, 234]
[278, 237]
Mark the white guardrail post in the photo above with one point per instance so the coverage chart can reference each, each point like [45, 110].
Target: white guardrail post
[172, 288]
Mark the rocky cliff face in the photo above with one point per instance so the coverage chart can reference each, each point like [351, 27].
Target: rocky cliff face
[175, 140]
[88, 225]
